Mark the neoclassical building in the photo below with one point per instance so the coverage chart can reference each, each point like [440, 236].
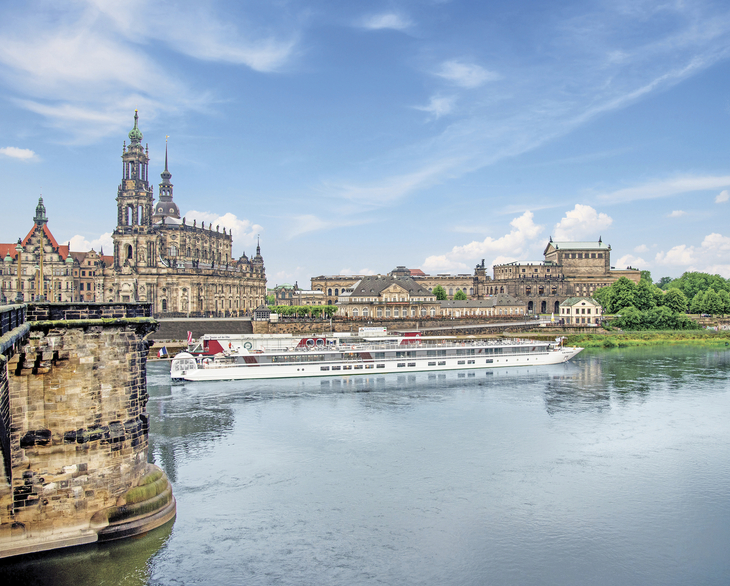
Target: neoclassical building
[569, 269]
[158, 258]
[387, 297]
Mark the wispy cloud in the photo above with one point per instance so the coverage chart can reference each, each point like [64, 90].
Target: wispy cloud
[84, 65]
[466, 75]
[723, 196]
[666, 188]
[17, 153]
[438, 106]
[387, 20]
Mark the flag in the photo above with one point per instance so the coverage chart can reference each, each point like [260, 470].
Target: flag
[162, 352]
[190, 338]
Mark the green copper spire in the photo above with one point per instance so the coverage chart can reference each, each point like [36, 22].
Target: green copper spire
[135, 135]
[40, 213]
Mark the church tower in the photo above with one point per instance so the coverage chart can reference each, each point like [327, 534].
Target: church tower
[134, 201]
[165, 207]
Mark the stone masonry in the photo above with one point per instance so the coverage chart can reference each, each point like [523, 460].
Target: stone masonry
[78, 431]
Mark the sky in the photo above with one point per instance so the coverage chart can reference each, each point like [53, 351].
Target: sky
[352, 137]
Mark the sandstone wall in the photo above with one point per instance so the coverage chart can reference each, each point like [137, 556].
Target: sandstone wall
[78, 431]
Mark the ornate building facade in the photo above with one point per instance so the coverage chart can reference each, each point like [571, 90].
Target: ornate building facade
[36, 267]
[178, 267]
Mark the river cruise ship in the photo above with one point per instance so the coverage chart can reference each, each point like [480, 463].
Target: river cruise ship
[373, 357]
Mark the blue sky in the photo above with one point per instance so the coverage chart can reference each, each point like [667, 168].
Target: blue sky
[357, 136]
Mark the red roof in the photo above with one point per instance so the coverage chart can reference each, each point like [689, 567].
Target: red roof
[6, 249]
[417, 273]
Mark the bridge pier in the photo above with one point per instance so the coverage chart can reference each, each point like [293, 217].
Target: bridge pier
[74, 433]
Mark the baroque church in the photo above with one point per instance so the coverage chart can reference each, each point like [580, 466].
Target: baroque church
[158, 258]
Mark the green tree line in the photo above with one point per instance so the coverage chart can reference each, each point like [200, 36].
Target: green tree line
[305, 310]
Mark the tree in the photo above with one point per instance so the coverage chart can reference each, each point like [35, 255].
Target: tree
[646, 276]
[317, 310]
[631, 318]
[724, 301]
[675, 300]
[698, 302]
[622, 295]
[663, 282]
[330, 310]
[270, 299]
[440, 293]
[712, 304]
[691, 283]
[460, 296]
[644, 295]
[603, 296]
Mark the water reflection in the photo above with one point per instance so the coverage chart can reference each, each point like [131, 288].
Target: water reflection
[126, 562]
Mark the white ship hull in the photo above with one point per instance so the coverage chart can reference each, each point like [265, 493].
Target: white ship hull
[367, 362]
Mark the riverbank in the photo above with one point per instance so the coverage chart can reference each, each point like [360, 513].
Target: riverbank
[649, 338]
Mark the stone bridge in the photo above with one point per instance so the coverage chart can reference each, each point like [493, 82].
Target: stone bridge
[74, 426]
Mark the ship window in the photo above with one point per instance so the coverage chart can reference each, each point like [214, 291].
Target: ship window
[490, 360]
[368, 366]
[336, 368]
[380, 365]
[432, 364]
[324, 367]
[460, 362]
[411, 364]
[401, 365]
[442, 363]
[358, 367]
[470, 362]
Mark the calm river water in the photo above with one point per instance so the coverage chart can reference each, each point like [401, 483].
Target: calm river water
[613, 469]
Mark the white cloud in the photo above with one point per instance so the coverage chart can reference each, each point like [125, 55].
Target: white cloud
[519, 240]
[629, 260]
[80, 244]
[438, 106]
[678, 256]
[17, 153]
[245, 233]
[581, 222]
[388, 20]
[723, 196]
[466, 75]
[641, 248]
[711, 256]
[677, 214]
[666, 188]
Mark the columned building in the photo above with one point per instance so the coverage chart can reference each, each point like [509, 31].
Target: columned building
[178, 267]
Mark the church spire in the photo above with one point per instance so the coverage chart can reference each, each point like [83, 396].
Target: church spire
[40, 213]
[165, 207]
[135, 135]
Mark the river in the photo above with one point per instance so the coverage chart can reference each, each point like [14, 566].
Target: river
[612, 469]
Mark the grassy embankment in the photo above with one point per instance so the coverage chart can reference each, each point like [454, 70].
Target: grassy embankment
[649, 338]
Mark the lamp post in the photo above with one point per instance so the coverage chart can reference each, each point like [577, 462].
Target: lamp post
[18, 294]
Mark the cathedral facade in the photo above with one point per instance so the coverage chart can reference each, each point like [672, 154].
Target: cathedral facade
[181, 269]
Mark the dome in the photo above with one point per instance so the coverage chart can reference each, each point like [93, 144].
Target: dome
[135, 135]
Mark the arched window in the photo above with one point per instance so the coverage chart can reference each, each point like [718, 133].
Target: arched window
[364, 311]
[451, 290]
[501, 289]
[337, 292]
[164, 305]
[128, 251]
[329, 291]
[354, 312]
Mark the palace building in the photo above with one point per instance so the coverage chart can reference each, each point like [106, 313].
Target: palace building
[178, 267]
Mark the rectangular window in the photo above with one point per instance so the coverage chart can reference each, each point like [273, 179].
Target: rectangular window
[470, 361]
[432, 364]
[324, 367]
[401, 365]
[347, 367]
[411, 364]
[381, 366]
[490, 360]
[442, 363]
[83, 273]
[358, 367]
[461, 362]
[430, 352]
[368, 366]
[336, 368]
